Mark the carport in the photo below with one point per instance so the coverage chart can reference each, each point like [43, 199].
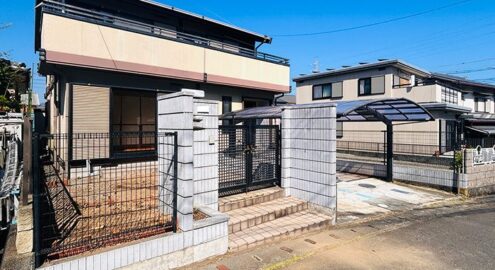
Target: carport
[387, 111]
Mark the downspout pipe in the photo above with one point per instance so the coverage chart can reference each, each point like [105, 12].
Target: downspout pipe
[275, 100]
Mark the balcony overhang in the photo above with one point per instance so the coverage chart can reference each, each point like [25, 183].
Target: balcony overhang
[72, 60]
[103, 46]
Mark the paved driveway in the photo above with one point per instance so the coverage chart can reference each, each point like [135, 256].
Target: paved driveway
[361, 196]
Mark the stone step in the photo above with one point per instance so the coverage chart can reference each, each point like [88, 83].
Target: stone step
[281, 228]
[247, 217]
[251, 198]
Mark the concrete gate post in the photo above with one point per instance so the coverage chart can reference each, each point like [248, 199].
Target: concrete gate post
[309, 154]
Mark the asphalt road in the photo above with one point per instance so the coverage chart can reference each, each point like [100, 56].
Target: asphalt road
[461, 239]
[454, 234]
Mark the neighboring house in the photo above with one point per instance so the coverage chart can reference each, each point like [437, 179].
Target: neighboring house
[106, 61]
[461, 107]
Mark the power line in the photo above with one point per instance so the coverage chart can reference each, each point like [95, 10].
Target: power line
[469, 62]
[471, 71]
[375, 23]
[487, 79]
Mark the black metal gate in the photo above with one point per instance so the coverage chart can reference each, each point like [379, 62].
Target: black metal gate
[249, 158]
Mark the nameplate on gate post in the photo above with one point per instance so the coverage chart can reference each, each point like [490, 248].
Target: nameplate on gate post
[203, 109]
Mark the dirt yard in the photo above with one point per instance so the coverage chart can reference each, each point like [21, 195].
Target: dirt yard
[108, 207]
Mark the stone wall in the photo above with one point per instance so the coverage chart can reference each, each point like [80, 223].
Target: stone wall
[309, 154]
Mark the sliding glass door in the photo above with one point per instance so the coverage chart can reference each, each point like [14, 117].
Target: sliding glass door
[133, 121]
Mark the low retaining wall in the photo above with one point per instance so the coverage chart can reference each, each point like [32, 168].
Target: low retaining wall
[208, 238]
[364, 168]
[477, 177]
[436, 177]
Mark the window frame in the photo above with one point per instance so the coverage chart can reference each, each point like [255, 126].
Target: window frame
[371, 86]
[331, 96]
[359, 87]
[115, 151]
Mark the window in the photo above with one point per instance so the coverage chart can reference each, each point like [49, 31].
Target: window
[134, 118]
[371, 86]
[402, 79]
[326, 91]
[480, 104]
[450, 95]
[364, 86]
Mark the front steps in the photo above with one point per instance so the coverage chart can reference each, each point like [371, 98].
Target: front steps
[264, 216]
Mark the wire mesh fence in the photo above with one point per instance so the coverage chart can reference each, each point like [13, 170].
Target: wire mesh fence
[90, 195]
[409, 146]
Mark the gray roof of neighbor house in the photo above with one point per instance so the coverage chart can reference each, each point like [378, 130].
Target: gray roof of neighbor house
[461, 81]
[384, 63]
[402, 65]
[376, 110]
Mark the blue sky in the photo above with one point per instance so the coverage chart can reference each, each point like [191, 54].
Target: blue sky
[457, 39]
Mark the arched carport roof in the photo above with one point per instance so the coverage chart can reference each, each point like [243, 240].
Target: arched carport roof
[385, 110]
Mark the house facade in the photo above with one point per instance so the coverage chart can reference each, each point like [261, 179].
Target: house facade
[107, 61]
[462, 108]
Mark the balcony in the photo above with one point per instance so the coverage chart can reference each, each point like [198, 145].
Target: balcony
[106, 19]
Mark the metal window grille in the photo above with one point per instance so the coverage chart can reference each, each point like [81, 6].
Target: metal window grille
[450, 95]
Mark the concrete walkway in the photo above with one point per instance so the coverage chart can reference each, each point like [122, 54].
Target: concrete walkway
[362, 197]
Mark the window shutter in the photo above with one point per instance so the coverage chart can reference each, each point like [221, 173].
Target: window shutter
[337, 90]
[378, 85]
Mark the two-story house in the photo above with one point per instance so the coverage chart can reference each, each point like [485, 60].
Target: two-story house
[106, 61]
[463, 109]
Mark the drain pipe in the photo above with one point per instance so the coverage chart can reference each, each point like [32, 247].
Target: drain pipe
[275, 100]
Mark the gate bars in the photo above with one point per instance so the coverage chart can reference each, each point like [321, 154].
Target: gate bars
[249, 157]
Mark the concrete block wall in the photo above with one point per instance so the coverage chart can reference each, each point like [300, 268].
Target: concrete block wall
[208, 238]
[360, 167]
[205, 158]
[309, 154]
[439, 177]
[479, 179]
[443, 178]
[175, 114]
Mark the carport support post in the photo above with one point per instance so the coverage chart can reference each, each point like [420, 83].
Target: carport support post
[390, 152]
